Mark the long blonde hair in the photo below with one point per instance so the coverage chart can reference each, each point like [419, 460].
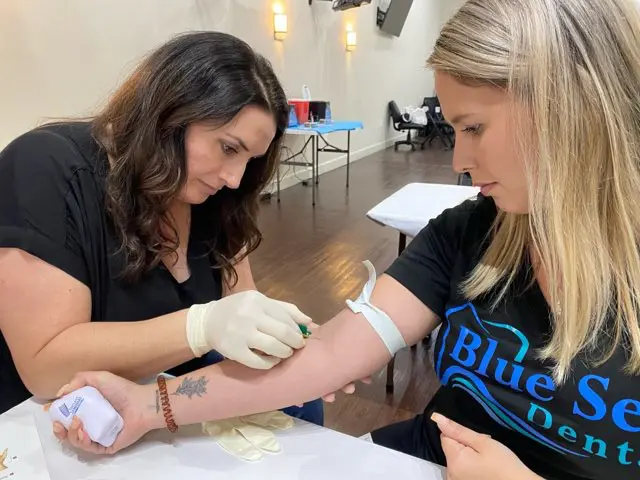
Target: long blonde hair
[574, 67]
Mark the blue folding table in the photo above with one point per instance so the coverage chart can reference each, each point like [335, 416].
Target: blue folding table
[316, 133]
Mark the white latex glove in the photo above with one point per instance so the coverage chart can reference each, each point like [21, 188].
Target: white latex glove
[238, 324]
[248, 438]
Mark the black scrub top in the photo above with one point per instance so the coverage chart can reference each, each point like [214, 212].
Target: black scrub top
[52, 206]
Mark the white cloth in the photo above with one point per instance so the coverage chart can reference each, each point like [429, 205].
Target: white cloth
[21, 455]
[409, 209]
[309, 452]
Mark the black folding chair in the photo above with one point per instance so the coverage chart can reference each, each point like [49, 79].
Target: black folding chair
[438, 126]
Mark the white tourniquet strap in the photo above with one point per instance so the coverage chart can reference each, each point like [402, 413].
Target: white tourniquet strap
[380, 321]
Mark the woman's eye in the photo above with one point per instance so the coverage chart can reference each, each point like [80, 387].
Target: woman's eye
[473, 130]
[228, 150]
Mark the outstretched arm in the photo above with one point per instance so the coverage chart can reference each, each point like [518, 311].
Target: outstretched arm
[344, 349]
[45, 318]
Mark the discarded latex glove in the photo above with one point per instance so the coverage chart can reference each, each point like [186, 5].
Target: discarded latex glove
[249, 438]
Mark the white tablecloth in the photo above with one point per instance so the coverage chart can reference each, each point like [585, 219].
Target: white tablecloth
[409, 209]
[309, 452]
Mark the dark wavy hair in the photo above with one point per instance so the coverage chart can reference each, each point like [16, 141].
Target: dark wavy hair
[195, 77]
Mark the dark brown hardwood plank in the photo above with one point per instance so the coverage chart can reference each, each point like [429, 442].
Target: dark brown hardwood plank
[312, 257]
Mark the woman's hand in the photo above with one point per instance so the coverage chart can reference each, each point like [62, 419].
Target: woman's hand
[348, 389]
[247, 327]
[135, 404]
[473, 456]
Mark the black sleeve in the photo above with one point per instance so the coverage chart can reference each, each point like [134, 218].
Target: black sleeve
[36, 174]
[425, 266]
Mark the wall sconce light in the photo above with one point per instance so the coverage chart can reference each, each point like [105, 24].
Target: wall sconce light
[279, 22]
[351, 39]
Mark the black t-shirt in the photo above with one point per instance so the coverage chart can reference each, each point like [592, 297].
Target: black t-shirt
[492, 381]
[52, 206]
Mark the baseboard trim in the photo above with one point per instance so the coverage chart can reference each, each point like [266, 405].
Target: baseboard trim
[304, 174]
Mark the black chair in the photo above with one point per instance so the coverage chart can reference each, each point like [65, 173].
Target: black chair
[401, 125]
[438, 126]
[465, 180]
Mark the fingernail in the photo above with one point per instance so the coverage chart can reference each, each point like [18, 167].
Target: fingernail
[436, 417]
[62, 390]
[57, 428]
[80, 435]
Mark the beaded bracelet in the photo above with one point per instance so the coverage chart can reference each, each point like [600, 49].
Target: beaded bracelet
[166, 406]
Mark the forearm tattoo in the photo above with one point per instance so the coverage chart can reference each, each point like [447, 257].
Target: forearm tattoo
[190, 387]
[157, 404]
[187, 388]
[157, 401]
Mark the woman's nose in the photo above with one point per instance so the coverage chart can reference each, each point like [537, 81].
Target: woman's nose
[463, 160]
[232, 176]
[231, 181]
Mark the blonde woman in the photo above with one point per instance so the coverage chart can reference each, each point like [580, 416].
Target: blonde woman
[536, 283]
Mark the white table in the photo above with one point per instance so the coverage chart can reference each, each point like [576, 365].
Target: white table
[309, 452]
[409, 210]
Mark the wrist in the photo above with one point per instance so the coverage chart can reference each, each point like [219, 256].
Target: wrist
[196, 331]
[152, 418]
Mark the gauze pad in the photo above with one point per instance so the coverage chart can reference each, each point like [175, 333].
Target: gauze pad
[99, 419]
[380, 321]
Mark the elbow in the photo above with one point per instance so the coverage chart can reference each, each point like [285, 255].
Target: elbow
[41, 390]
[40, 382]
[44, 390]
[43, 393]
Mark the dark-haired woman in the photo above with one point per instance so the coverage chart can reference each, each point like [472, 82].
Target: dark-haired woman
[124, 240]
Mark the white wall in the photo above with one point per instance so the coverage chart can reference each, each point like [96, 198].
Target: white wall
[449, 7]
[61, 59]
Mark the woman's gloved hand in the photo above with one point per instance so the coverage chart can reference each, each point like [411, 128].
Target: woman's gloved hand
[247, 327]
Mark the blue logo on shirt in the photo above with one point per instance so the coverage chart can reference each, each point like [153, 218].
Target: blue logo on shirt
[477, 365]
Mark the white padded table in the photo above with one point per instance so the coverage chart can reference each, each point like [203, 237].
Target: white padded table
[308, 452]
[409, 209]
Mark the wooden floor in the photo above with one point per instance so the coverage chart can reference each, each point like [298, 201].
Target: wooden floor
[312, 257]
